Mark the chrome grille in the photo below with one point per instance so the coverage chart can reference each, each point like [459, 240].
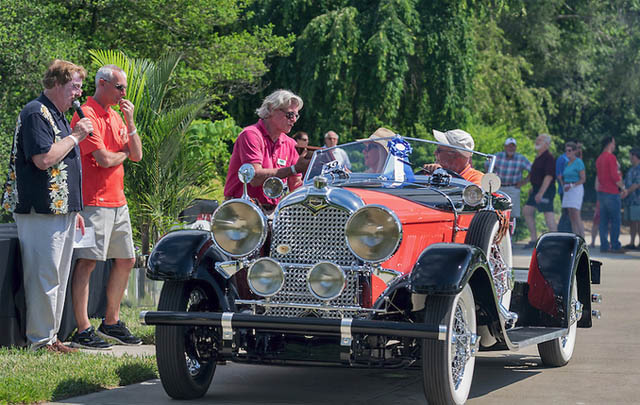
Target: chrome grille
[295, 291]
[312, 237]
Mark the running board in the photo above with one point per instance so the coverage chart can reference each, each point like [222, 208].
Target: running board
[526, 336]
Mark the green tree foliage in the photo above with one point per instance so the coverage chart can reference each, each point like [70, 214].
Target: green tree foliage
[585, 54]
[411, 65]
[220, 57]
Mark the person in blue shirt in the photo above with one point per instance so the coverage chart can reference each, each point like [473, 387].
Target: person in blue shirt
[564, 224]
[572, 180]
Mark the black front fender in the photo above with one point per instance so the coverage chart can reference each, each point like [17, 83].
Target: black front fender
[176, 256]
[445, 268]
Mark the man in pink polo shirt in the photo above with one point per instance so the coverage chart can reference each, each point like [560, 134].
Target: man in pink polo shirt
[267, 147]
[610, 190]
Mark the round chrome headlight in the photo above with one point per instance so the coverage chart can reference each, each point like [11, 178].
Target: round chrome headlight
[373, 233]
[238, 227]
[273, 187]
[265, 277]
[326, 280]
[472, 195]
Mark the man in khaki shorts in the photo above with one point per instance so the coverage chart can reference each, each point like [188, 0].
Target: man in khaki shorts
[113, 141]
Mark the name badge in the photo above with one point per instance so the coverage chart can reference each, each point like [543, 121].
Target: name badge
[282, 162]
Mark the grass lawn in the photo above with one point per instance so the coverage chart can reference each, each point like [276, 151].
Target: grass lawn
[28, 376]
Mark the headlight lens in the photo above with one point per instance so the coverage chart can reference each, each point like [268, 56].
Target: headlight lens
[273, 187]
[238, 227]
[472, 195]
[265, 277]
[373, 233]
[326, 280]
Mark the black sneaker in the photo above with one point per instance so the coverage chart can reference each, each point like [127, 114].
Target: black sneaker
[87, 339]
[118, 332]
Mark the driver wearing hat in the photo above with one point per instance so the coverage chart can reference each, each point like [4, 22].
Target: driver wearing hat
[456, 160]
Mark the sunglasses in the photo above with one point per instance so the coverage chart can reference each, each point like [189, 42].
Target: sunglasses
[568, 150]
[290, 114]
[443, 151]
[119, 87]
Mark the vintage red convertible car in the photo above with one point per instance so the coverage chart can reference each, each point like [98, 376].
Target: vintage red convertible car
[369, 263]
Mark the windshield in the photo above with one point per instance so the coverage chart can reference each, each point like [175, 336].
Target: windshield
[395, 159]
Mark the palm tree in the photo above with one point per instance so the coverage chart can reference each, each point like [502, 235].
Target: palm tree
[165, 181]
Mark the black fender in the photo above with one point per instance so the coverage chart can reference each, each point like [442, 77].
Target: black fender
[445, 268]
[177, 255]
[189, 255]
[557, 258]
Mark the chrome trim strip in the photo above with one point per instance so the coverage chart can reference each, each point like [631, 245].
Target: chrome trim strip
[227, 329]
[228, 269]
[442, 332]
[309, 306]
[345, 332]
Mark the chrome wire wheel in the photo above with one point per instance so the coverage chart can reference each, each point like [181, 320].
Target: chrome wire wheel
[447, 365]
[461, 338]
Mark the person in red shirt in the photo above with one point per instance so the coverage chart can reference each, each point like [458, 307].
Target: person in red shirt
[267, 147]
[610, 191]
[113, 141]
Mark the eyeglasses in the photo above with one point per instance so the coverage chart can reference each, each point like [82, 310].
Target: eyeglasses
[290, 114]
[119, 87]
[568, 150]
[443, 151]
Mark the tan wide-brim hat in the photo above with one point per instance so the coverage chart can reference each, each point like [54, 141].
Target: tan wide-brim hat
[455, 137]
[378, 136]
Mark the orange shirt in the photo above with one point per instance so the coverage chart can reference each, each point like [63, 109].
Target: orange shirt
[472, 175]
[102, 186]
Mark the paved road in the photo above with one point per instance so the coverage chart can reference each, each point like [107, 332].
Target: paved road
[604, 369]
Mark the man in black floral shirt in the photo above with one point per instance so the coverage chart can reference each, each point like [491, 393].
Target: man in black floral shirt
[44, 193]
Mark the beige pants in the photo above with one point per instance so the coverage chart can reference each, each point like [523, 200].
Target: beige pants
[46, 246]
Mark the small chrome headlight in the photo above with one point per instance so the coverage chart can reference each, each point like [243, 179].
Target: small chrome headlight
[238, 227]
[273, 187]
[265, 277]
[326, 280]
[472, 195]
[373, 233]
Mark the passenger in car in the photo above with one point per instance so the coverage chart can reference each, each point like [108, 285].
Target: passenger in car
[452, 159]
[375, 153]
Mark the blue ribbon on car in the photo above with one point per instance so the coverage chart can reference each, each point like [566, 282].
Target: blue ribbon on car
[401, 150]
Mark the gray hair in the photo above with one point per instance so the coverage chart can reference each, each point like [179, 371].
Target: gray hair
[276, 100]
[329, 133]
[547, 138]
[106, 73]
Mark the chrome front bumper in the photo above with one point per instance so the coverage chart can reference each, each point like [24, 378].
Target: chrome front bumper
[345, 328]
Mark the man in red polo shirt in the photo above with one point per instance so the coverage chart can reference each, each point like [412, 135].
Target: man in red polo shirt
[267, 147]
[610, 190]
[105, 207]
